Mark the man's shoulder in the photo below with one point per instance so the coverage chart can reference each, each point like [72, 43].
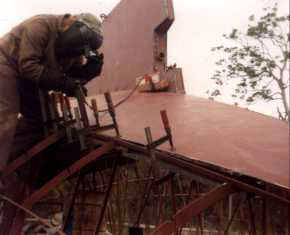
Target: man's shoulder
[52, 22]
[43, 18]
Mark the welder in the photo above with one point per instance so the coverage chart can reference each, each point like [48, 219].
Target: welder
[50, 52]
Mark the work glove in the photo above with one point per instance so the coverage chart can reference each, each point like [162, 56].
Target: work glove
[90, 70]
[94, 66]
[70, 86]
[55, 80]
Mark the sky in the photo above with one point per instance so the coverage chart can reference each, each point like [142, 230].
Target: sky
[199, 26]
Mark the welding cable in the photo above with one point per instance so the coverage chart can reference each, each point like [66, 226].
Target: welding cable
[41, 220]
[119, 103]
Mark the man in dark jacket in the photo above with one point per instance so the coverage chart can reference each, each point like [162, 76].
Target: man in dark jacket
[45, 51]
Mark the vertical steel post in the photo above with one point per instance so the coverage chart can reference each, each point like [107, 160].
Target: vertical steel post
[71, 206]
[158, 208]
[220, 217]
[161, 202]
[252, 217]
[95, 110]
[200, 215]
[146, 195]
[173, 201]
[287, 214]
[167, 128]
[52, 112]
[180, 188]
[173, 197]
[288, 220]
[79, 127]
[43, 111]
[108, 193]
[66, 119]
[150, 141]
[264, 218]
[61, 101]
[111, 109]
[54, 102]
[240, 202]
[148, 135]
[268, 218]
[81, 102]
[68, 106]
[230, 207]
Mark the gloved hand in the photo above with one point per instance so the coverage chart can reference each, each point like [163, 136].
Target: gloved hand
[70, 86]
[55, 80]
[94, 66]
[90, 70]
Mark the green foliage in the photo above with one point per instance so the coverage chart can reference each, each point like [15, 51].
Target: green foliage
[256, 62]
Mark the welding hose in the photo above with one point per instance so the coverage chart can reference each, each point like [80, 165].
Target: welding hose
[120, 102]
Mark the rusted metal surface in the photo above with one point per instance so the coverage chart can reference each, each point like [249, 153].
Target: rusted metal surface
[185, 214]
[135, 35]
[230, 137]
[24, 158]
[195, 169]
[66, 173]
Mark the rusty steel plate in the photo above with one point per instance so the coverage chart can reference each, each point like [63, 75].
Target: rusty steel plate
[230, 137]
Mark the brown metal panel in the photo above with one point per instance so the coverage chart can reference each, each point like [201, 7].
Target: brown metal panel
[231, 137]
[66, 173]
[185, 214]
[129, 42]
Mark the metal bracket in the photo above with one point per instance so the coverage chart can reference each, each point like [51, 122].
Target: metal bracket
[112, 112]
[168, 137]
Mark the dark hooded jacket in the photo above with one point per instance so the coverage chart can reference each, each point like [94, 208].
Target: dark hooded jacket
[30, 46]
[29, 49]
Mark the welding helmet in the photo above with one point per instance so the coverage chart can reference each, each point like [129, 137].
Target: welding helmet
[82, 37]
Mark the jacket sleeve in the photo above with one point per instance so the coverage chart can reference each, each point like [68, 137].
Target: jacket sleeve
[34, 40]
